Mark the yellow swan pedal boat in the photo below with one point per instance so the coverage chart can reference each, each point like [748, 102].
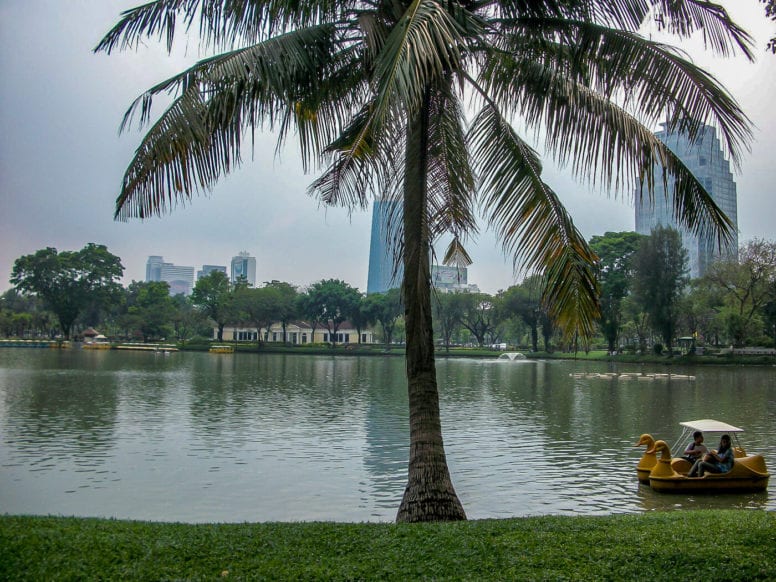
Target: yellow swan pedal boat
[648, 459]
[748, 474]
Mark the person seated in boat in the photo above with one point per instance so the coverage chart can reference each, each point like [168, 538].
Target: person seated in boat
[719, 461]
[696, 449]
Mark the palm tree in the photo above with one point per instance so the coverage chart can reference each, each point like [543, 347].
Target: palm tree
[375, 91]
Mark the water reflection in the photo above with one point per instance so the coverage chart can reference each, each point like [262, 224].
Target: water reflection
[204, 437]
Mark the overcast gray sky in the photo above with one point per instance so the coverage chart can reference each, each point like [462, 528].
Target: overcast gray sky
[62, 160]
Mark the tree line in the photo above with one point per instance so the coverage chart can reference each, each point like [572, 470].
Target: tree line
[647, 300]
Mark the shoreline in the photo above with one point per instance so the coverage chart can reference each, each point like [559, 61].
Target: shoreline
[600, 356]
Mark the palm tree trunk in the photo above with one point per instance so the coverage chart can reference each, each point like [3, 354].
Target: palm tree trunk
[429, 495]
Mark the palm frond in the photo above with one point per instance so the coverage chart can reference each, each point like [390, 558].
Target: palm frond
[649, 78]
[181, 154]
[456, 254]
[290, 81]
[282, 66]
[222, 23]
[720, 33]
[450, 180]
[422, 47]
[360, 165]
[532, 222]
[604, 142]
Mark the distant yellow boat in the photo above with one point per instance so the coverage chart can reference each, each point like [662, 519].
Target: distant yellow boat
[221, 349]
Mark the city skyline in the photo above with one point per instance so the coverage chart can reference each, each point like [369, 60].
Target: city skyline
[61, 162]
[181, 278]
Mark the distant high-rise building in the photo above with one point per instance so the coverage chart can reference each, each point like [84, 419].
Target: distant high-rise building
[180, 279]
[707, 162]
[244, 265]
[451, 279]
[386, 215]
[207, 269]
[154, 268]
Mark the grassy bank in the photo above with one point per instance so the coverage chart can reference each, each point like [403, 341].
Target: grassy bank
[730, 545]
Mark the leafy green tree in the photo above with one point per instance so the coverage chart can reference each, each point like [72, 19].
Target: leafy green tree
[747, 285]
[375, 90]
[361, 317]
[448, 311]
[332, 302]
[385, 308]
[478, 315]
[660, 265]
[188, 321]
[615, 252]
[150, 308]
[523, 301]
[308, 308]
[24, 315]
[71, 281]
[636, 322]
[260, 306]
[511, 327]
[287, 304]
[213, 295]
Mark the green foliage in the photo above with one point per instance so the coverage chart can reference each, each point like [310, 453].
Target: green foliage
[386, 310]
[478, 315]
[69, 282]
[615, 252]
[24, 315]
[661, 274]
[259, 306]
[523, 301]
[744, 288]
[213, 295]
[448, 311]
[287, 306]
[149, 309]
[189, 323]
[331, 302]
[652, 546]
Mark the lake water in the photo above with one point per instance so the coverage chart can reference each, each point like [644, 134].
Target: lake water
[200, 437]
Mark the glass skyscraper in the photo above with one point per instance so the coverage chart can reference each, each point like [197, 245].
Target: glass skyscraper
[707, 162]
[244, 266]
[386, 215]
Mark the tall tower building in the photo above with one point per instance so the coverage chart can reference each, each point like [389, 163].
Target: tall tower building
[386, 215]
[244, 265]
[707, 162]
[154, 268]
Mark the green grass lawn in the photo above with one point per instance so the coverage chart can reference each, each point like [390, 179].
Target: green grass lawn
[728, 545]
